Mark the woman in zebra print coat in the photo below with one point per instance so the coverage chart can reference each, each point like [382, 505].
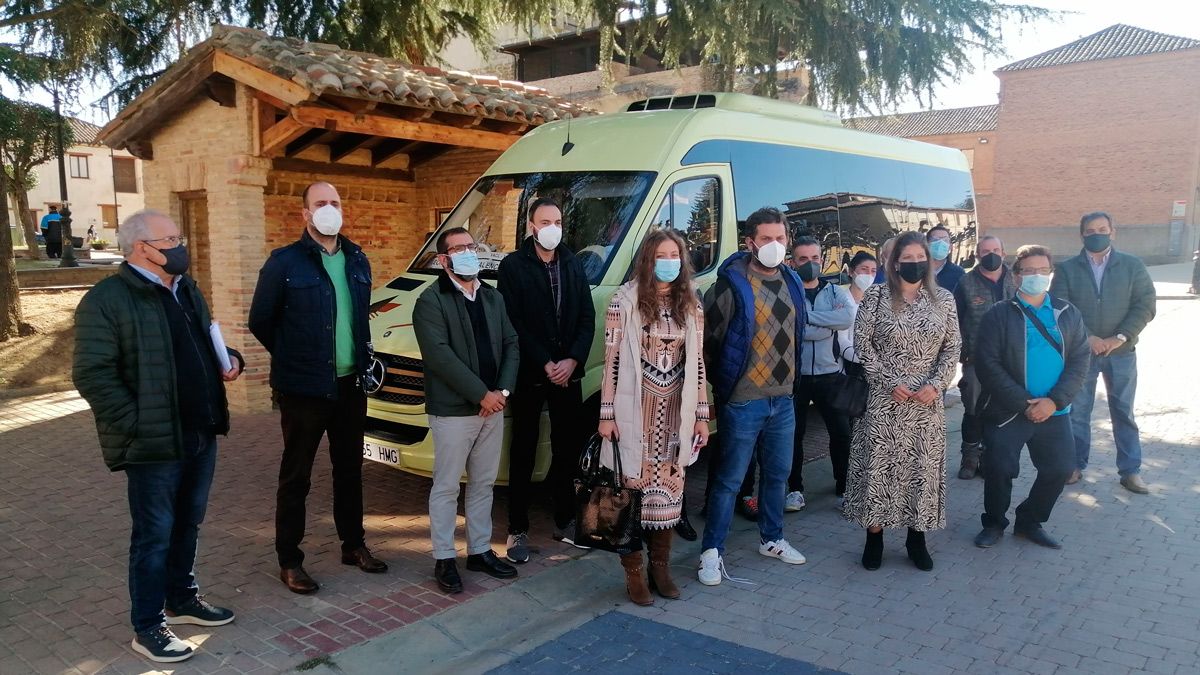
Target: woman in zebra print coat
[907, 339]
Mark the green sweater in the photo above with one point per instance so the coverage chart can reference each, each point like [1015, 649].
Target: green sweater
[343, 319]
[1124, 303]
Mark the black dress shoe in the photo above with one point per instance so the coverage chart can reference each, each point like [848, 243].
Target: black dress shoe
[297, 580]
[491, 564]
[362, 558]
[684, 527]
[1038, 536]
[988, 537]
[446, 573]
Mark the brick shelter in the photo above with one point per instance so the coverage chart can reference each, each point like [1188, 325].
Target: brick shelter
[1110, 121]
[233, 133]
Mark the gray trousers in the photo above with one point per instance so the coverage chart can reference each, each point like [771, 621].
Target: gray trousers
[470, 444]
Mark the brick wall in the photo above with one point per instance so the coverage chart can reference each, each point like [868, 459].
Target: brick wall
[1122, 135]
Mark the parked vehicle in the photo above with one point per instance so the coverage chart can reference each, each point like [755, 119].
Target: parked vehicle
[699, 163]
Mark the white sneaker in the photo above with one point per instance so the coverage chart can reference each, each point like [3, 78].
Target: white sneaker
[794, 502]
[782, 550]
[710, 567]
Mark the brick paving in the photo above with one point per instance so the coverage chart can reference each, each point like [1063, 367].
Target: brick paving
[64, 538]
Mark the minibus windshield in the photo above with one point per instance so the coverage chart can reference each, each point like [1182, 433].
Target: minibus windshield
[598, 208]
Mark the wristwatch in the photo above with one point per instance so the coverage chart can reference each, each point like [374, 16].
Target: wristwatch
[1121, 337]
[505, 393]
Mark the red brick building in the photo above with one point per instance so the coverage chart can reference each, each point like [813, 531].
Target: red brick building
[1108, 122]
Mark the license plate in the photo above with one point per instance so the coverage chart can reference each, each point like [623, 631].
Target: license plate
[381, 453]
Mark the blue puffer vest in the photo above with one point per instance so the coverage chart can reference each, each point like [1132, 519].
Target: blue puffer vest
[735, 350]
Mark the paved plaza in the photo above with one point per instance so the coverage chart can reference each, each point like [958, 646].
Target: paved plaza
[1122, 596]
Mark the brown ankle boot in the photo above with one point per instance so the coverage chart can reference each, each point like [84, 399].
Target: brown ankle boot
[660, 563]
[635, 578]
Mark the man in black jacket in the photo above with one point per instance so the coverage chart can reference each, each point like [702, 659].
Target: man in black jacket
[1031, 357]
[310, 312]
[550, 304]
[146, 364]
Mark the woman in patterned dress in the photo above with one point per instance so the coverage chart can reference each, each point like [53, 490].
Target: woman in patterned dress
[654, 401]
[906, 338]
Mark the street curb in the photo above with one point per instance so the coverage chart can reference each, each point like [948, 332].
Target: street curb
[494, 629]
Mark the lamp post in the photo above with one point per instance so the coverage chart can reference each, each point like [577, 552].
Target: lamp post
[68, 253]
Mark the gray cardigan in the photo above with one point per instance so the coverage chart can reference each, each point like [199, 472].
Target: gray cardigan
[443, 328]
[1124, 303]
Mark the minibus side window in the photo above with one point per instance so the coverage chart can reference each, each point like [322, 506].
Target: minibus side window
[693, 208]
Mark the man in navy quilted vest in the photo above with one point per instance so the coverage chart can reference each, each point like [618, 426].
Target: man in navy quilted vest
[754, 319]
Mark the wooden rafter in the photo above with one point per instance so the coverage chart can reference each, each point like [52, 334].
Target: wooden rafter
[427, 153]
[329, 169]
[347, 144]
[389, 148]
[276, 139]
[396, 128]
[259, 79]
[307, 140]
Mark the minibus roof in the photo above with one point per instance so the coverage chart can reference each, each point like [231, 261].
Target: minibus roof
[657, 140]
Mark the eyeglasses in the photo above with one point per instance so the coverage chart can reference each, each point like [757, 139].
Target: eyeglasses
[1044, 271]
[461, 248]
[173, 241]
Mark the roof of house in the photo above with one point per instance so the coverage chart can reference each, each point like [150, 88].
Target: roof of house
[929, 122]
[83, 132]
[325, 68]
[1114, 42]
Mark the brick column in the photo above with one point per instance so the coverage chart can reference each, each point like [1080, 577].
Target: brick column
[237, 239]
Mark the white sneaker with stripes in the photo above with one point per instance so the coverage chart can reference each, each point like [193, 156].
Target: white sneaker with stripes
[783, 550]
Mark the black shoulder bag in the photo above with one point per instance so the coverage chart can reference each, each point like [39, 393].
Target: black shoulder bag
[850, 397]
[608, 515]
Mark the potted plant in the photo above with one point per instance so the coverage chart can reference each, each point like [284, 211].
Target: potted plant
[99, 244]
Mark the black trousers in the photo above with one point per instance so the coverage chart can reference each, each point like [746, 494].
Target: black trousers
[568, 431]
[819, 390]
[54, 250]
[304, 420]
[972, 422]
[1052, 450]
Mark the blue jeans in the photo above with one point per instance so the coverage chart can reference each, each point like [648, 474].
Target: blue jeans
[167, 501]
[1120, 381]
[766, 426]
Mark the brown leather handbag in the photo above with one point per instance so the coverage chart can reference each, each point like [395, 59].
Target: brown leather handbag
[608, 515]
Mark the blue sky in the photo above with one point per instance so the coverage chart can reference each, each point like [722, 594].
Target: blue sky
[1080, 18]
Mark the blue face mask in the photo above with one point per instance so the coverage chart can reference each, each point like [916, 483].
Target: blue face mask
[465, 264]
[1035, 284]
[940, 249]
[666, 270]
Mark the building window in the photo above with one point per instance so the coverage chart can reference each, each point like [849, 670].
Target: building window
[79, 166]
[125, 174]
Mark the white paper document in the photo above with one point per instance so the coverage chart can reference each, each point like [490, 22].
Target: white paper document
[214, 331]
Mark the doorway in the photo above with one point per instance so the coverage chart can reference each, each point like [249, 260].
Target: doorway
[193, 225]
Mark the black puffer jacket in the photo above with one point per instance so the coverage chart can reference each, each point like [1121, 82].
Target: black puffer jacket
[292, 315]
[525, 285]
[1000, 359]
[125, 368]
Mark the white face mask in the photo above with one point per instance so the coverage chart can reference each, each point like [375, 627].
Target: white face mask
[864, 281]
[772, 254]
[550, 237]
[327, 220]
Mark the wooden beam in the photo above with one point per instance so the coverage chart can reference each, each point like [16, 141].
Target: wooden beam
[425, 154]
[306, 140]
[389, 148]
[271, 100]
[257, 78]
[140, 149]
[275, 139]
[354, 105]
[347, 144]
[221, 90]
[329, 169]
[395, 128]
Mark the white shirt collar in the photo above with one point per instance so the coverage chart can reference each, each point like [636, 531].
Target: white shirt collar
[174, 287]
[469, 295]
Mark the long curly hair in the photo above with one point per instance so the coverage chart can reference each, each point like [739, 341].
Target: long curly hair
[682, 296]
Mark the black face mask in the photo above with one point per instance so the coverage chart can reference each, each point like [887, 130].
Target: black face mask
[912, 272]
[991, 262]
[1097, 243]
[177, 259]
[808, 271]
